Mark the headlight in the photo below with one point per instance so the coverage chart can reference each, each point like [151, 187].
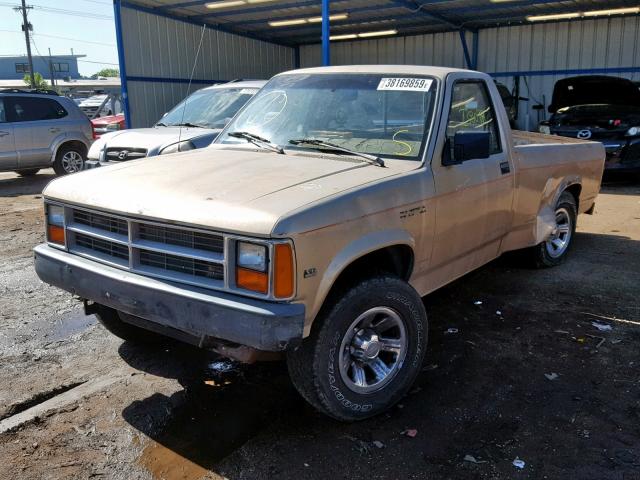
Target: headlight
[633, 131]
[251, 267]
[178, 147]
[55, 224]
[252, 256]
[544, 129]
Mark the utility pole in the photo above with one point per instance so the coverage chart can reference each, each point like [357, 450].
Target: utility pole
[26, 28]
[52, 70]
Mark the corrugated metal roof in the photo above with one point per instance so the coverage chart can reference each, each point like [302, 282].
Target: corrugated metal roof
[409, 17]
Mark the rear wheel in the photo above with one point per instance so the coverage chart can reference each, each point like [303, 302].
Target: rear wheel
[28, 173]
[364, 351]
[69, 159]
[553, 251]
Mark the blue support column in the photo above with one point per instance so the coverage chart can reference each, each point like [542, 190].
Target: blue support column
[474, 52]
[326, 52]
[465, 48]
[122, 64]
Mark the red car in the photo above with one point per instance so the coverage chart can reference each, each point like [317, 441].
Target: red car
[111, 123]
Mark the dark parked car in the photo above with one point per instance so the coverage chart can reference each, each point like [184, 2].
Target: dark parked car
[600, 108]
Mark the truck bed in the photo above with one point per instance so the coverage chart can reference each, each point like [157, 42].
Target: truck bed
[545, 165]
[521, 137]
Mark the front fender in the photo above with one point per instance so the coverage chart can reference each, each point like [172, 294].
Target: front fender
[353, 251]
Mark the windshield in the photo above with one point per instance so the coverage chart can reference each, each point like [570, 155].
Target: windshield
[384, 115]
[211, 108]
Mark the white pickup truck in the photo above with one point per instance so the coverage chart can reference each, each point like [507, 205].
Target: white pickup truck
[314, 224]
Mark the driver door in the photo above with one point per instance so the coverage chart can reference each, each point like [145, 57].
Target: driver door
[473, 198]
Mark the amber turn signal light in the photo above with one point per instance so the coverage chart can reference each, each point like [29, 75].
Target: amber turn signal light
[55, 234]
[283, 272]
[252, 280]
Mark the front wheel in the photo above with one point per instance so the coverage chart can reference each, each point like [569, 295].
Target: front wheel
[364, 351]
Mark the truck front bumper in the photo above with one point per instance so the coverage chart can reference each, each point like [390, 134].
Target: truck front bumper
[196, 311]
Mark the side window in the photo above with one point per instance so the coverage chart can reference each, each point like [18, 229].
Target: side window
[29, 109]
[471, 109]
[3, 116]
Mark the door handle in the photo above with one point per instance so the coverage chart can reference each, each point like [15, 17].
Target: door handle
[54, 130]
[504, 168]
[3, 134]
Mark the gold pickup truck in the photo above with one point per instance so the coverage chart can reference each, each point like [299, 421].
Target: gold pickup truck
[332, 202]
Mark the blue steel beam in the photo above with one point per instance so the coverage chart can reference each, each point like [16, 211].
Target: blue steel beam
[122, 63]
[326, 52]
[465, 48]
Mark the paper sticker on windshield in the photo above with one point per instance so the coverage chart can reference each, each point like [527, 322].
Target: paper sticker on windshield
[405, 84]
[248, 91]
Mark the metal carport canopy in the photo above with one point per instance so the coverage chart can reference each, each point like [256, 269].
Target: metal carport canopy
[469, 27]
[295, 23]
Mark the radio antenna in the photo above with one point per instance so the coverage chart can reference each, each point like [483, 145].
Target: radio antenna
[193, 70]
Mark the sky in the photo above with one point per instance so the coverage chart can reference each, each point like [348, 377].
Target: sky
[79, 22]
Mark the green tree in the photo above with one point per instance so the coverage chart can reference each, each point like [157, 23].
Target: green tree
[41, 83]
[107, 72]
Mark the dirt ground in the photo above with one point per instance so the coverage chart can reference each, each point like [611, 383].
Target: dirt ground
[525, 375]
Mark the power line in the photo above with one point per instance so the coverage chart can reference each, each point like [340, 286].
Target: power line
[63, 38]
[98, 2]
[62, 11]
[99, 63]
[73, 13]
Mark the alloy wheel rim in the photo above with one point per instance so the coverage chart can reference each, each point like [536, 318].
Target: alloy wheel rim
[373, 350]
[72, 162]
[559, 240]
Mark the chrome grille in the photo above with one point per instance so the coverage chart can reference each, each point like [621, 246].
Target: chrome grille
[188, 266]
[182, 238]
[120, 154]
[173, 253]
[103, 222]
[102, 246]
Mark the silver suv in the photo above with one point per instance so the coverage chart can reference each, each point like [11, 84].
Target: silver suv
[40, 129]
[193, 123]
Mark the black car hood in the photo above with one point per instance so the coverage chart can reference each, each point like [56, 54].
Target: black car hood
[609, 117]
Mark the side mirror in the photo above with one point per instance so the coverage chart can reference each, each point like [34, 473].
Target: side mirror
[466, 146]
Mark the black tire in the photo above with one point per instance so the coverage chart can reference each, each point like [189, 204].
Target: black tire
[315, 368]
[61, 166]
[541, 255]
[28, 173]
[110, 319]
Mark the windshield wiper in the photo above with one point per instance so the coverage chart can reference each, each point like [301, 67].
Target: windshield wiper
[188, 124]
[258, 140]
[160, 124]
[322, 145]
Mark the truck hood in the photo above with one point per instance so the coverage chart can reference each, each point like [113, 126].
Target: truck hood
[233, 190]
[153, 139]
